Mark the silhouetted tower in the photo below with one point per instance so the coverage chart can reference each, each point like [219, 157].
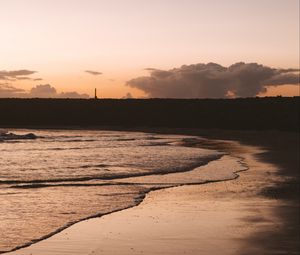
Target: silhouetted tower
[96, 94]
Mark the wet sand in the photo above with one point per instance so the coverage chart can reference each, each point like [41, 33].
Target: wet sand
[256, 213]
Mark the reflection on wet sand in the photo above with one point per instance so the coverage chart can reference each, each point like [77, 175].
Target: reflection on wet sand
[248, 215]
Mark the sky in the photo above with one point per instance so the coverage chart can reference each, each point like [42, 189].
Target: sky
[70, 47]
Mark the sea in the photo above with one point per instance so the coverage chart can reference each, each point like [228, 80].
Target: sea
[51, 179]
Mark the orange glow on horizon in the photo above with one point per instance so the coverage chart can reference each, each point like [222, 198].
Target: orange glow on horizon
[283, 90]
[120, 38]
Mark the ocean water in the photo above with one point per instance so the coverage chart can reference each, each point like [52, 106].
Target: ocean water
[53, 178]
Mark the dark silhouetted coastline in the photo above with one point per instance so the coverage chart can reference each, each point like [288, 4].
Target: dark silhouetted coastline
[269, 113]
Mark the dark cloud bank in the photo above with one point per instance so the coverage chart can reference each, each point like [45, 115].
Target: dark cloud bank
[39, 91]
[213, 80]
[7, 90]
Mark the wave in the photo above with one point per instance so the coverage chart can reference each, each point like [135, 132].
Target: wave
[112, 172]
[139, 197]
[137, 200]
[7, 136]
[114, 176]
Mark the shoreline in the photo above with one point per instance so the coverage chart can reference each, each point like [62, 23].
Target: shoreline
[204, 164]
[123, 211]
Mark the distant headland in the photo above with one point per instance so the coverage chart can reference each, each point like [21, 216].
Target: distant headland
[269, 113]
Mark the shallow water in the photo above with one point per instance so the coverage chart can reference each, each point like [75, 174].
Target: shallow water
[65, 176]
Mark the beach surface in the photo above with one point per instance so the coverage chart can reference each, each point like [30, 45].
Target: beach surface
[256, 213]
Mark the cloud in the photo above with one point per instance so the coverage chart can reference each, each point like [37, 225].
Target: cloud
[43, 91]
[93, 72]
[72, 94]
[39, 91]
[127, 96]
[213, 80]
[282, 78]
[6, 90]
[15, 75]
[47, 91]
[23, 78]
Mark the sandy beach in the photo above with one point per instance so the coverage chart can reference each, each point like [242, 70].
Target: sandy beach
[160, 127]
[256, 213]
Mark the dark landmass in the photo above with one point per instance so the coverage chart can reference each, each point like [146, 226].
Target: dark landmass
[276, 113]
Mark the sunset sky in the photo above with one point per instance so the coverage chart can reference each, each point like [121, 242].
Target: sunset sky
[117, 40]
